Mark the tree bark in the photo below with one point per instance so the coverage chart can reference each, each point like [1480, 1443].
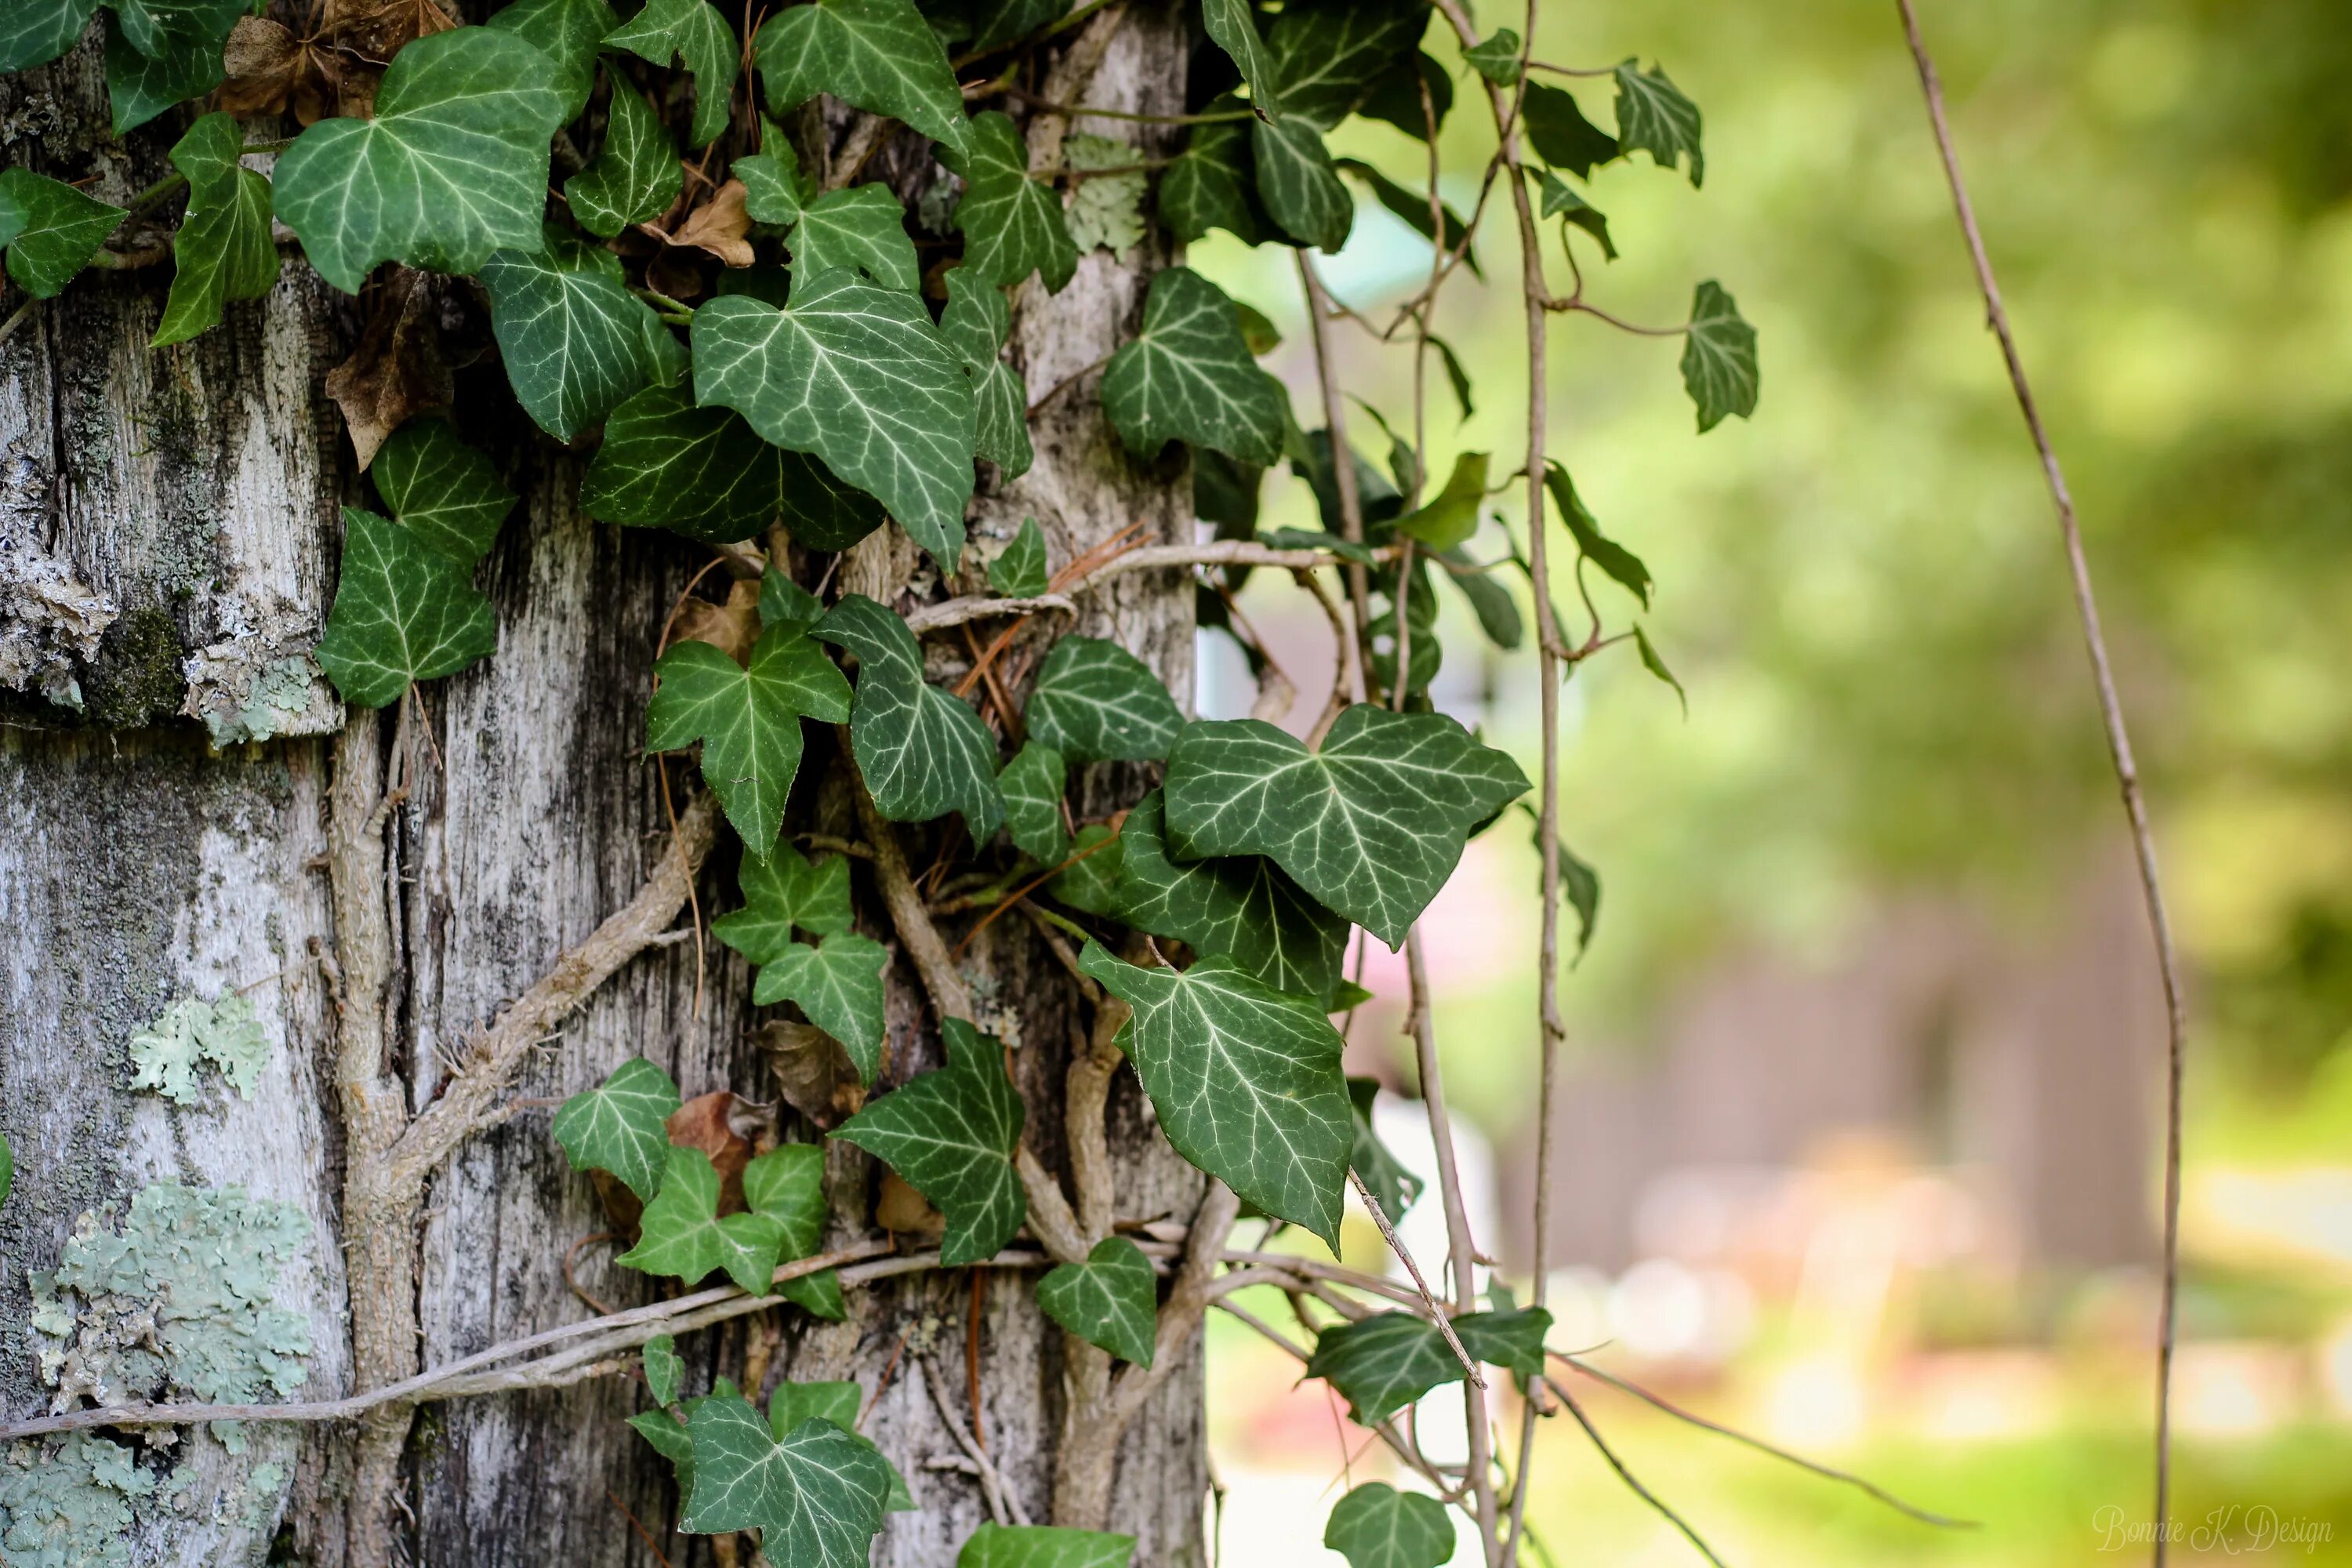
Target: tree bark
[168, 534]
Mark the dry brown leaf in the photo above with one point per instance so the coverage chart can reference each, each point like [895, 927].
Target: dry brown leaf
[263, 62]
[397, 370]
[904, 1210]
[731, 628]
[812, 1071]
[707, 1122]
[378, 30]
[722, 225]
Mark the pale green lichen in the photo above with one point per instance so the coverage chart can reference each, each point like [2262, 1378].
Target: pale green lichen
[280, 695]
[66, 1503]
[226, 1034]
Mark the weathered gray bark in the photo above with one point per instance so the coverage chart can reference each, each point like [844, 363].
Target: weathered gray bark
[168, 526]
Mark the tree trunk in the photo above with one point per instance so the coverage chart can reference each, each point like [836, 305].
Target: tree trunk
[168, 534]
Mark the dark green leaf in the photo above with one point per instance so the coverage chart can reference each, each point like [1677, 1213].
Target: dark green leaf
[1012, 224]
[452, 167]
[7, 1170]
[1657, 667]
[576, 342]
[157, 26]
[440, 489]
[1387, 1362]
[1090, 884]
[782, 892]
[1620, 565]
[704, 473]
[223, 250]
[1495, 59]
[1718, 357]
[695, 33]
[1229, 23]
[1226, 492]
[1371, 824]
[1110, 1301]
[860, 377]
[816, 1496]
[139, 88]
[1377, 1526]
[637, 174]
[1296, 181]
[1395, 97]
[996, 23]
[618, 1126]
[1032, 784]
[922, 752]
[1246, 1079]
[874, 55]
[1241, 906]
[1094, 702]
[1376, 493]
[1312, 539]
[1414, 208]
[795, 1403]
[951, 1135]
[568, 32]
[403, 612]
[862, 229]
[667, 1434]
[748, 720]
[1044, 1546]
[1653, 117]
[1390, 1184]
[1561, 202]
[783, 602]
[1561, 135]
[1456, 375]
[683, 1234]
[1212, 182]
[786, 1184]
[1189, 376]
[1328, 53]
[35, 32]
[774, 188]
[1019, 573]
[838, 984]
[975, 324]
[50, 229]
[664, 1370]
[1450, 516]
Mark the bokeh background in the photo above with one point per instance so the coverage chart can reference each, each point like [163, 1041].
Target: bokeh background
[1860, 1113]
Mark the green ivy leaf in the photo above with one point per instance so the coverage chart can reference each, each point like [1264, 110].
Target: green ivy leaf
[576, 342]
[1246, 1079]
[748, 720]
[783, 891]
[1561, 135]
[1371, 824]
[1580, 882]
[444, 492]
[951, 1135]
[1393, 1187]
[1328, 53]
[1298, 184]
[1110, 1301]
[922, 752]
[452, 167]
[1560, 201]
[1389, 1361]
[1090, 883]
[786, 1184]
[1654, 116]
[816, 1496]
[1032, 784]
[157, 26]
[996, 1545]
[996, 23]
[664, 1369]
[7, 1170]
[1620, 565]
[1106, 212]
[1229, 22]
[139, 87]
[693, 33]
[35, 32]
[568, 32]
[783, 602]
[1212, 182]
[1377, 1526]
[223, 250]
[704, 473]
[1395, 97]
[877, 55]
[1096, 702]
[838, 984]
[1241, 906]
[1450, 516]
[667, 1434]
[1457, 377]
[1412, 208]
[862, 229]
[637, 174]
[975, 324]
[1189, 376]
[1495, 59]
[1020, 572]
[775, 190]
[795, 1403]
[50, 230]
[1012, 224]
[859, 376]
[618, 1126]
[683, 1234]
[1498, 612]
[1656, 666]
[403, 612]
[1718, 357]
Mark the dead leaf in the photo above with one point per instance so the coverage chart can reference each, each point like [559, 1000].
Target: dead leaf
[263, 62]
[378, 30]
[812, 1071]
[722, 225]
[707, 1122]
[731, 628]
[397, 370]
[905, 1210]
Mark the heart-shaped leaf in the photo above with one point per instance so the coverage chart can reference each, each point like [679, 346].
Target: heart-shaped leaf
[1189, 376]
[1495, 59]
[440, 489]
[568, 32]
[1032, 783]
[1449, 518]
[664, 1369]
[1212, 182]
[774, 190]
[1019, 571]
[951, 1135]
[223, 250]
[1561, 135]
[1328, 55]
[748, 720]
[859, 376]
[1299, 185]
[1012, 224]
[1111, 1300]
[874, 55]
[923, 753]
[452, 167]
[787, 1186]
[1654, 116]
[683, 1234]
[693, 33]
[782, 892]
[816, 1496]
[637, 174]
[1387, 1362]
[704, 473]
[576, 342]
[863, 230]
[838, 984]
[403, 612]
[1094, 702]
[794, 1403]
[50, 230]
[139, 87]
[1371, 824]
[1377, 1526]
[618, 1126]
[1246, 1080]
[1044, 1546]
[975, 324]
[1718, 357]
[1241, 906]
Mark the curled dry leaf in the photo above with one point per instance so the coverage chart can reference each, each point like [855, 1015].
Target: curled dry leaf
[731, 628]
[398, 370]
[730, 1129]
[906, 1212]
[269, 71]
[722, 225]
[378, 29]
[813, 1073]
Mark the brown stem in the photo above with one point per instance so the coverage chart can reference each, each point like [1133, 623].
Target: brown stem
[1343, 457]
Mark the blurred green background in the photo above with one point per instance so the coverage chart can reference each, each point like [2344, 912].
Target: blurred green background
[1863, 591]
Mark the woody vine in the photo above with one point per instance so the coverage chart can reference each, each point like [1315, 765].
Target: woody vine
[692, 271]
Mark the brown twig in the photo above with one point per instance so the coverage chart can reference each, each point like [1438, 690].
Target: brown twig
[572, 1257]
[642, 1533]
[1437, 1313]
[2119, 750]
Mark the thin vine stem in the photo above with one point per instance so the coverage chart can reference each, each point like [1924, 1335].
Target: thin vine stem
[2120, 753]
